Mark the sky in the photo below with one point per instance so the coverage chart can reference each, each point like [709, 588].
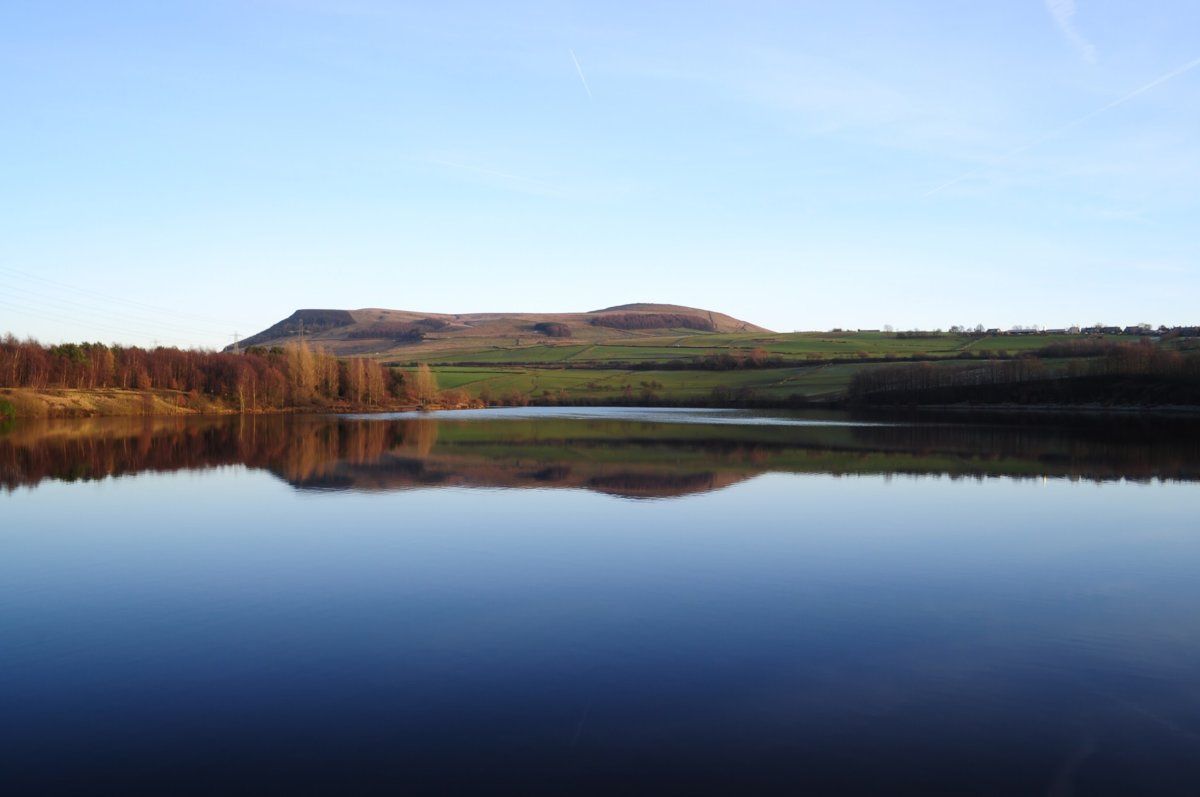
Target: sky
[183, 171]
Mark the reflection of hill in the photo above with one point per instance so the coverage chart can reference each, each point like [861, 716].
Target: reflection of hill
[392, 472]
[633, 459]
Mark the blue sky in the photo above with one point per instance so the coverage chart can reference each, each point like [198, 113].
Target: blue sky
[178, 171]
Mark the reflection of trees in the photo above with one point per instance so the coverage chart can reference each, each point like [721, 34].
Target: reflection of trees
[1094, 447]
[630, 459]
[419, 436]
[296, 448]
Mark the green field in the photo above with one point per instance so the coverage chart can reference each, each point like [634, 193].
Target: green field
[797, 348]
[813, 365]
[818, 382]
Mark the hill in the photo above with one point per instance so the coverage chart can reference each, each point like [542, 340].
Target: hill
[404, 333]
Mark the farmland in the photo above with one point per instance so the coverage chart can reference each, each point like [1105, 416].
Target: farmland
[798, 347]
[672, 354]
[754, 368]
[599, 385]
[813, 382]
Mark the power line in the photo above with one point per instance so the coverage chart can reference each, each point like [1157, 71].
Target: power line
[70, 305]
[129, 302]
[1124, 98]
[110, 328]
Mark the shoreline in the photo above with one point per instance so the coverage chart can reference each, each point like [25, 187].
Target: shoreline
[53, 404]
[67, 403]
[1048, 409]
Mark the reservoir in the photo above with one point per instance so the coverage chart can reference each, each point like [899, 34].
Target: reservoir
[554, 600]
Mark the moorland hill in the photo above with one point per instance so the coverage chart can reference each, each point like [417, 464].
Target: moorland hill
[377, 331]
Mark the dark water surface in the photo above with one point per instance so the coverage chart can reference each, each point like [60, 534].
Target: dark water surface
[608, 601]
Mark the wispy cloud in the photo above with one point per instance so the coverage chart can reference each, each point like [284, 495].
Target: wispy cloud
[1063, 12]
[1124, 98]
[825, 97]
[582, 79]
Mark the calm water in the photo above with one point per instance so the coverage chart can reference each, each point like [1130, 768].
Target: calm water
[611, 601]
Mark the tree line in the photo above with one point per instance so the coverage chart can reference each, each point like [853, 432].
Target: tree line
[296, 375]
[1143, 361]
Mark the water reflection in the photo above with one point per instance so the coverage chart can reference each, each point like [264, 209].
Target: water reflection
[299, 619]
[609, 452]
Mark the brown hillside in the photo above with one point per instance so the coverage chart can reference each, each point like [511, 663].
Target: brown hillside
[382, 332]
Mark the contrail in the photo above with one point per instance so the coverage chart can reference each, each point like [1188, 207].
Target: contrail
[1063, 12]
[1124, 98]
[579, 69]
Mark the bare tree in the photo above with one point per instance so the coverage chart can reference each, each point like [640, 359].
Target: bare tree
[424, 385]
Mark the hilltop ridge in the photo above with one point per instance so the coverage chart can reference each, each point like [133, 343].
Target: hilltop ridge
[381, 331]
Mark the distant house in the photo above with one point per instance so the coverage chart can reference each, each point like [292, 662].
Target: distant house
[1056, 331]
[994, 331]
[1073, 330]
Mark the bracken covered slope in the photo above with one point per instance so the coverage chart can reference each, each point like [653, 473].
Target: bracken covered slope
[379, 332]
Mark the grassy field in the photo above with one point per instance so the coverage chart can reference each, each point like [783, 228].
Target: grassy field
[819, 379]
[796, 347]
[816, 382]
[813, 365]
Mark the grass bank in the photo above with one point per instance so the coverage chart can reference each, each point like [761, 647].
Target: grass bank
[51, 403]
[116, 402]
